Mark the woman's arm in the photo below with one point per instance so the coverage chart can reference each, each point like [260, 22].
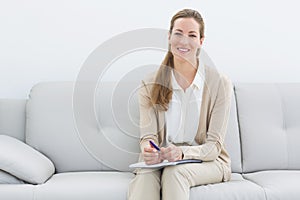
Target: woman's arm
[148, 127]
[211, 149]
[148, 122]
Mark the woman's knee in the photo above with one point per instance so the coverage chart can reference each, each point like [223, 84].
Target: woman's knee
[176, 173]
[145, 184]
[148, 176]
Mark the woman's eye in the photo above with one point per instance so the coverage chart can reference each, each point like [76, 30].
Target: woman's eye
[193, 36]
[178, 34]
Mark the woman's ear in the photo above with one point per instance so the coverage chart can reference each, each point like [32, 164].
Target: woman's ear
[201, 41]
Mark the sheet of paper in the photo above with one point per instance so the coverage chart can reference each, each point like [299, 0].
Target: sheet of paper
[163, 164]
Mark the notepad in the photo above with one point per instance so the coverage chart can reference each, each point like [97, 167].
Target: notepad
[164, 163]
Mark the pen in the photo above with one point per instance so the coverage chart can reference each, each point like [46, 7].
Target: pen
[154, 145]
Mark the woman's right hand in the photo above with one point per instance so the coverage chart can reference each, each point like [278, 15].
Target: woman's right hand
[151, 156]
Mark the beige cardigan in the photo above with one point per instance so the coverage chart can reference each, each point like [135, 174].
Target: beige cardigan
[214, 114]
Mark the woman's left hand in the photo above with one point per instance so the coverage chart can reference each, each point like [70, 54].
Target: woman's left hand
[171, 153]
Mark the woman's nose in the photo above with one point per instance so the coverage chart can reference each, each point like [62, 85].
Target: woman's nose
[184, 40]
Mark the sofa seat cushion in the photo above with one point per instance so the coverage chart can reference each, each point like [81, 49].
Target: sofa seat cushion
[237, 188]
[85, 185]
[17, 191]
[278, 184]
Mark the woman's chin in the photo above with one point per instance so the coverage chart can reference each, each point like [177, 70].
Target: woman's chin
[181, 58]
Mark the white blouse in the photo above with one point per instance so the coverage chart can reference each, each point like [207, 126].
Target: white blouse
[183, 115]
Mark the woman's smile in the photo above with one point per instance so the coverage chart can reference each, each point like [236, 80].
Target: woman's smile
[182, 50]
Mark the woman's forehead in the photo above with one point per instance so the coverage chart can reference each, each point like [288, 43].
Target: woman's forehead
[186, 25]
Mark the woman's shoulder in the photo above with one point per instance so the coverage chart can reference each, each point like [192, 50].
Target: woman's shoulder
[214, 78]
[147, 83]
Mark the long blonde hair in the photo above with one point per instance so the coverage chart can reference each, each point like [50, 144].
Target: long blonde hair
[161, 92]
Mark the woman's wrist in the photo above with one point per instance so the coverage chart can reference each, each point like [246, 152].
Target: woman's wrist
[181, 154]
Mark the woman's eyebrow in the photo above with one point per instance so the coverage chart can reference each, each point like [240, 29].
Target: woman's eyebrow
[178, 30]
[182, 31]
[193, 32]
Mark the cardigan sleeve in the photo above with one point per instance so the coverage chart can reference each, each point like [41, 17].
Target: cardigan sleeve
[148, 122]
[217, 126]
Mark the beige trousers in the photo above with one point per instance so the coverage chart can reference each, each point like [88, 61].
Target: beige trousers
[173, 182]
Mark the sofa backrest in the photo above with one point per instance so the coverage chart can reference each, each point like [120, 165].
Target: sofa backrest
[51, 127]
[232, 139]
[12, 118]
[269, 116]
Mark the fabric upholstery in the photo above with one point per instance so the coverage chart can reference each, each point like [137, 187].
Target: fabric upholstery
[118, 117]
[85, 185]
[269, 125]
[17, 191]
[278, 184]
[50, 127]
[236, 189]
[12, 118]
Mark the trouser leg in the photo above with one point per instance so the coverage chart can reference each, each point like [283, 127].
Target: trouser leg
[176, 181]
[145, 185]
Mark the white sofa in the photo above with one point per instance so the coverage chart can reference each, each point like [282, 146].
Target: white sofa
[263, 141]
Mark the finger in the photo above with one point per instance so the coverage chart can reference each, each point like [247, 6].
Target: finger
[171, 147]
[162, 149]
[149, 149]
[165, 150]
[174, 156]
[171, 155]
[150, 154]
[166, 156]
[151, 160]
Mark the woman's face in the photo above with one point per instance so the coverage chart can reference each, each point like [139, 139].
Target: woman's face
[185, 39]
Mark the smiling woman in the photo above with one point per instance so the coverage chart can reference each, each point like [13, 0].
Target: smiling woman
[185, 40]
[172, 102]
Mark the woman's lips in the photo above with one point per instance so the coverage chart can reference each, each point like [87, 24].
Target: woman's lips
[183, 50]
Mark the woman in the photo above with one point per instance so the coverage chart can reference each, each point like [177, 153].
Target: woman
[184, 109]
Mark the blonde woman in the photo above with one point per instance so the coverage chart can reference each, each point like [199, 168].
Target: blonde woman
[184, 109]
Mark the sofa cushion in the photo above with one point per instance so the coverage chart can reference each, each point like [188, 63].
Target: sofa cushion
[269, 125]
[51, 128]
[278, 184]
[17, 191]
[81, 143]
[6, 178]
[85, 185]
[118, 118]
[12, 118]
[236, 188]
[24, 162]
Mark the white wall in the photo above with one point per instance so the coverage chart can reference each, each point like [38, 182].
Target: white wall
[251, 41]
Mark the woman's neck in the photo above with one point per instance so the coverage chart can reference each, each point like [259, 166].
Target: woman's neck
[185, 72]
